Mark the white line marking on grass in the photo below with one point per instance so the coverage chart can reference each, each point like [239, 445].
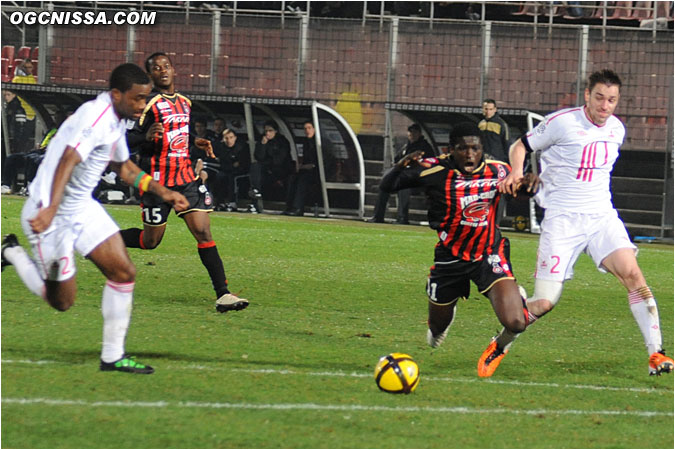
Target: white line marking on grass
[318, 407]
[369, 375]
[26, 361]
[454, 380]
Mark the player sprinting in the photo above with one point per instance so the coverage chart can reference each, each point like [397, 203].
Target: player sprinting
[61, 216]
[162, 138]
[462, 192]
[579, 147]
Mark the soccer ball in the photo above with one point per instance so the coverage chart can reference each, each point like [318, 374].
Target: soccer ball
[397, 373]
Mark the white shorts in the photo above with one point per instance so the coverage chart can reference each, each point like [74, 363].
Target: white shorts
[564, 235]
[53, 250]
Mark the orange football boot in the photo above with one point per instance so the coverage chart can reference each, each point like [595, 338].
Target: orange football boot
[659, 363]
[490, 359]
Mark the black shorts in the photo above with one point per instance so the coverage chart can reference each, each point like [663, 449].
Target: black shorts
[449, 277]
[156, 211]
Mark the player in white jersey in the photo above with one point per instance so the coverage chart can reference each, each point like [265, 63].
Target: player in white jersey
[578, 149]
[60, 215]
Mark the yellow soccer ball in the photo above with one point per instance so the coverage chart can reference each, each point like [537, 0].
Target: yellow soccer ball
[397, 373]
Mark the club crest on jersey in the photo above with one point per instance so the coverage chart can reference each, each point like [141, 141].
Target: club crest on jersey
[501, 172]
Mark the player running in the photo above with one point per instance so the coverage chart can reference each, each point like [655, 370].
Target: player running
[61, 216]
[579, 147]
[162, 137]
[463, 199]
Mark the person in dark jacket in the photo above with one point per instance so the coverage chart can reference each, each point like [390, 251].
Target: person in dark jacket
[274, 162]
[306, 176]
[416, 142]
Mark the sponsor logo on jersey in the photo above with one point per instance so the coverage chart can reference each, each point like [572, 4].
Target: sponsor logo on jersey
[163, 105]
[476, 212]
[460, 184]
[184, 130]
[476, 197]
[176, 118]
[87, 132]
[179, 145]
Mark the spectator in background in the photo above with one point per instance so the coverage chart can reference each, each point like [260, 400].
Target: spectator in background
[235, 165]
[23, 74]
[28, 162]
[219, 126]
[274, 162]
[16, 123]
[306, 176]
[495, 132]
[496, 140]
[416, 142]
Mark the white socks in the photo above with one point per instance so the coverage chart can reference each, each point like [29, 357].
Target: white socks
[646, 313]
[116, 309]
[26, 269]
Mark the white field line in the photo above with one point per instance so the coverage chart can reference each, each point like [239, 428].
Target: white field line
[369, 375]
[319, 407]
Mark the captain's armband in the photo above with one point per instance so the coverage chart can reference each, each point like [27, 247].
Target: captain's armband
[142, 181]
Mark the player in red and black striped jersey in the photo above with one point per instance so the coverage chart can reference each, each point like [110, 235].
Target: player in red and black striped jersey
[462, 192]
[162, 139]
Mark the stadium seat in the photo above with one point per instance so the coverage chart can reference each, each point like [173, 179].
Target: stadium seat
[23, 53]
[35, 67]
[35, 53]
[8, 52]
[5, 67]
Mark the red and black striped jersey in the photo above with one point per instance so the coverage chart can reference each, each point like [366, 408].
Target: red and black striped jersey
[166, 159]
[462, 207]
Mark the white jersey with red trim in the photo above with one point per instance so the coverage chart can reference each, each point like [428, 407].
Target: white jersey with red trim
[99, 136]
[577, 159]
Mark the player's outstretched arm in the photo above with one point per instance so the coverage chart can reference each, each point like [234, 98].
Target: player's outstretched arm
[64, 170]
[513, 180]
[131, 174]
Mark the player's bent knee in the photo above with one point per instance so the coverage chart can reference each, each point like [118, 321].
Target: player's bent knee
[547, 293]
[60, 301]
[150, 243]
[124, 274]
[516, 323]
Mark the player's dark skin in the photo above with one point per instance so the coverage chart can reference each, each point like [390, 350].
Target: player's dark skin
[504, 296]
[162, 75]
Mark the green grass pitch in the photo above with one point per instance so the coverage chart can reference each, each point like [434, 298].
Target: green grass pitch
[294, 370]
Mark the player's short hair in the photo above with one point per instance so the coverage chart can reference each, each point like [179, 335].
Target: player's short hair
[415, 127]
[464, 129]
[604, 76]
[124, 76]
[490, 100]
[271, 124]
[228, 131]
[151, 58]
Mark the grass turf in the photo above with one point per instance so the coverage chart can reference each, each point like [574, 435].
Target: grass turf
[294, 370]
